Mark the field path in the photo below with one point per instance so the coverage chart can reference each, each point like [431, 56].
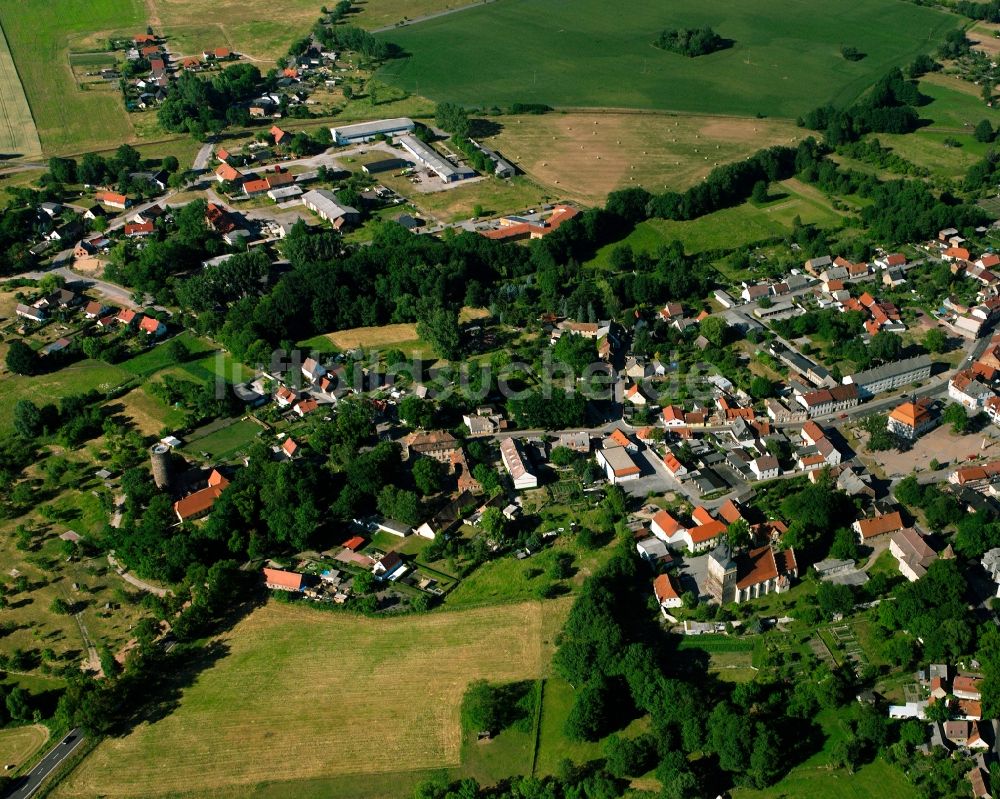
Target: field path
[425, 17]
[18, 135]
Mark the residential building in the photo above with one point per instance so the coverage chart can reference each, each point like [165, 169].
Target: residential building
[618, 464]
[281, 580]
[891, 376]
[312, 369]
[765, 467]
[32, 314]
[389, 567]
[152, 327]
[578, 442]
[652, 550]
[967, 686]
[438, 444]
[666, 593]
[516, 465]
[878, 528]
[829, 400]
[200, 503]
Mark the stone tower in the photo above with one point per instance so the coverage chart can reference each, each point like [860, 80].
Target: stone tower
[159, 456]
[722, 575]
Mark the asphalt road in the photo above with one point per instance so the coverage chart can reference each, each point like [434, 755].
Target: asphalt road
[111, 291]
[27, 785]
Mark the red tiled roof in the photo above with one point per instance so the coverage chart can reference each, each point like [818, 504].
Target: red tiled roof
[201, 501]
[706, 532]
[880, 525]
[283, 578]
[663, 588]
[354, 544]
[149, 324]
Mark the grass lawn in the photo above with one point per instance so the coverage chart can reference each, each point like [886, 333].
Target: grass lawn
[583, 156]
[877, 780]
[226, 441]
[494, 196]
[68, 119]
[158, 358]
[331, 676]
[785, 58]
[19, 743]
[77, 378]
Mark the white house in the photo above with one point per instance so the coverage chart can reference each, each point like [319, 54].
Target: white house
[618, 464]
[764, 467]
[312, 370]
[516, 466]
[666, 593]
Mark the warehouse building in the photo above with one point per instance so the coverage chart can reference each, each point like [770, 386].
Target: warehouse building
[434, 161]
[324, 203]
[366, 131]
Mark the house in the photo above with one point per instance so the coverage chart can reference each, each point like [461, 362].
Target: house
[438, 445]
[113, 199]
[219, 219]
[578, 442]
[666, 593]
[483, 424]
[285, 396]
[828, 400]
[699, 538]
[739, 577]
[281, 580]
[134, 229]
[33, 314]
[967, 686]
[965, 388]
[911, 420]
[516, 465]
[128, 317]
[674, 466]
[912, 553]
[200, 503]
[879, 528]
[619, 439]
[279, 135]
[979, 780]
[324, 203]
[634, 395]
[673, 416]
[289, 448]
[94, 309]
[302, 407]
[312, 370]
[226, 173]
[964, 734]
[618, 464]
[765, 467]
[152, 327]
[389, 567]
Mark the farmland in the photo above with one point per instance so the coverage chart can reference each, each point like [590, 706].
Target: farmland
[356, 697]
[585, 156]
[17, 128]
[20, 743]
[784, 60]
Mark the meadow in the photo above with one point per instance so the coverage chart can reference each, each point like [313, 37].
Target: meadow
[784, 60]
[584, 156]
[20, 743]
[305, 695]
[77, 378]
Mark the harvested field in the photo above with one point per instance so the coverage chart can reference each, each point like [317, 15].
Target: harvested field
[304, 694]
[18, 135]
[20, 743]
[583, 156]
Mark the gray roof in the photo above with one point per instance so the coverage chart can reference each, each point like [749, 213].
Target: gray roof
[444, 168]
[363, 129]
[890, 370]
[326, 203]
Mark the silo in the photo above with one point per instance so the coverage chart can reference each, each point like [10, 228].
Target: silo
[159, 456]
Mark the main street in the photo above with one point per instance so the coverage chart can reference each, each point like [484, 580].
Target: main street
[26, 786]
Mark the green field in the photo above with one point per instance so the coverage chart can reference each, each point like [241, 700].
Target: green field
[77, 378]
[732, 227]
[785, 58]
[68, 118]
[226, 441]
[17, 128]
[303, 695]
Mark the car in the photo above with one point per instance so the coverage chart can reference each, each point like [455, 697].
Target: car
[68, 740]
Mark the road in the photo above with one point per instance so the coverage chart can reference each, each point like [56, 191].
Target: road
[110, 291]
[142, 585]
[27, 785]
[426, 17]
[204, 156]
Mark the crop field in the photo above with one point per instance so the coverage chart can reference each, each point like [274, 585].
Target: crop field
[20, 743]
[584, 156]
[301, 694]
[17, 128]
[67, 118]
[784, 60]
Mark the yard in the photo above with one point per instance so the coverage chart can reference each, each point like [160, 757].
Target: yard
[309, 695]
[224, 441]
[784, 59]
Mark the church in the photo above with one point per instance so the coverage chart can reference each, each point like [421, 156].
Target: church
[742, 576]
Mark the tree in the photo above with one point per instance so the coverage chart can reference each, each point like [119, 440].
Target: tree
[170, 164]
[845, 545]
[956, 416]
[591, 713]
[63, 170]
[767, 759]
[715, 329]
[177, 350]
[60, 606]
[984, 130]
[759, 193]
[834, 598]
[428, 475]
[935, 340]
[27, 419]
[484, 708]
[761, 388]
[493, 523]
[630, 757]
[18, 705]
[21, 359]
[439, 327]
[738, 534]
[886, 346]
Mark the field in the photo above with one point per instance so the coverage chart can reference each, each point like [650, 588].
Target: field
[877, 780]
[20, 743]
[77, 378]
[375, 14]
[731, 227]
[67, 118]
[785, 58]
[224, 442]
[17, 128]
[584, 156]
[954, 109]
[302, 694]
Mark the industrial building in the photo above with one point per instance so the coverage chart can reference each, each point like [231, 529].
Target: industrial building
[434, 161]
[366, 131]
[324, 203]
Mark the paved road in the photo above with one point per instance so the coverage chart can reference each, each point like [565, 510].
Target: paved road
[111, 291]
[27, 785]
[203, 157]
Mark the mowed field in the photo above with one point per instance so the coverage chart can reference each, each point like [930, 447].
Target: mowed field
[583, 156]
[785, 57]
[38, 33]
[17, 129]
[304, 694]
[19, 743]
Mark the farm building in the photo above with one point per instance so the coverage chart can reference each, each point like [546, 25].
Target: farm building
[324, 203]
[434, 161]
[618, 464]
[366, 131]
[385, 165]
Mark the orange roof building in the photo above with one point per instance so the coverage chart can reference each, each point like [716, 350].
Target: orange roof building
[666, 592]
[281, 580]
[910, 420]
[869, 530]
[200, 503]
